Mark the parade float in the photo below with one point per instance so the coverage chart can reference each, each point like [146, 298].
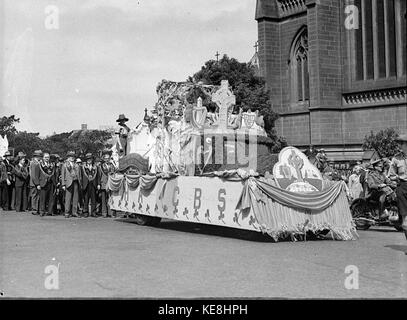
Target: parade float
[197, 159]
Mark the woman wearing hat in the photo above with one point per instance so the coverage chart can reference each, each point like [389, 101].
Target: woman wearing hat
[398, 173]
[21, 183]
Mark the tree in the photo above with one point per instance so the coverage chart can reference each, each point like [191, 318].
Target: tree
[88, 141]
[58, 143]
[7, 125]
[250, 90]
[383, 142]
[26, 142]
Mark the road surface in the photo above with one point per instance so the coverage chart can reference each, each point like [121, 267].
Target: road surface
[97, 257]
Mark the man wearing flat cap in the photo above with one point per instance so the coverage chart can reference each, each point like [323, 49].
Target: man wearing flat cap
[35, 187]
[398, 173]
[90, 185]
[70, 179]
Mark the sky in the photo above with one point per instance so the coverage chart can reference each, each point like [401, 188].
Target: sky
[71, 62]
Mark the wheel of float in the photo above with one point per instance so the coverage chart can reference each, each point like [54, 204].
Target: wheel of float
[154, 221]
[143, 220]
[359, 211]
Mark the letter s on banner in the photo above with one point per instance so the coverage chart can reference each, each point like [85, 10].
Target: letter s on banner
[222, 200]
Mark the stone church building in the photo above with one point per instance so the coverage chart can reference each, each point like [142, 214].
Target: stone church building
[336, 70]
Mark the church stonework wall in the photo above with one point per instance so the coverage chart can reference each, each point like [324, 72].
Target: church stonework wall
[332, 122]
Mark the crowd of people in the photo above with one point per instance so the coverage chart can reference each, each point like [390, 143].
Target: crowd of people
[46, 184]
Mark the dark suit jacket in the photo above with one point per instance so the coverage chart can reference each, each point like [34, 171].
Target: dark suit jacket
[90, 177]
[21, 174]
[46, 177]
[3, 173]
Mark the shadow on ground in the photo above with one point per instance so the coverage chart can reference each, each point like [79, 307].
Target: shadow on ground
[220, 231]
[397, 247]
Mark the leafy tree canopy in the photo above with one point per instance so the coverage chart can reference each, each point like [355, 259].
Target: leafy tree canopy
[383, 142]
[7, 125]
[250, 90]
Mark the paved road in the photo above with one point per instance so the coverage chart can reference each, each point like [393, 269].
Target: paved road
[114, 258]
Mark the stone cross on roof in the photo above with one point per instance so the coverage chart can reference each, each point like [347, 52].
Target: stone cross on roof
[224, 98]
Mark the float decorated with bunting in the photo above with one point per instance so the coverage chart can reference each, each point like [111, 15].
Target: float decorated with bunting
[197, 159]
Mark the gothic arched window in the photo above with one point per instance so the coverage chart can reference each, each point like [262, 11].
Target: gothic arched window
[299, 68]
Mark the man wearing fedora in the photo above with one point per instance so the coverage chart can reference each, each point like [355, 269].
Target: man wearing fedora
[90, 185]
[123, 134]
[59, 203]
[105, 169]
[47, 185]
[9, 204]
[398, 173]
[35, 187]
[70, 180]
[3, 184]
[22, 180]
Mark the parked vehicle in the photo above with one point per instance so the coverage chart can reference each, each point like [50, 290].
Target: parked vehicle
[366, 213]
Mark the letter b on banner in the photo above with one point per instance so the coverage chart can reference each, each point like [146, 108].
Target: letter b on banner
[197, 198]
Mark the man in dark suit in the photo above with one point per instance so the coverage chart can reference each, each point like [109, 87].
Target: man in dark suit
[11, 184]
[35, 187]
[90, 185]
[70, 179]
[105, 169]
[47, 185]
[3, 184]
[59, 202]
[22, 180]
